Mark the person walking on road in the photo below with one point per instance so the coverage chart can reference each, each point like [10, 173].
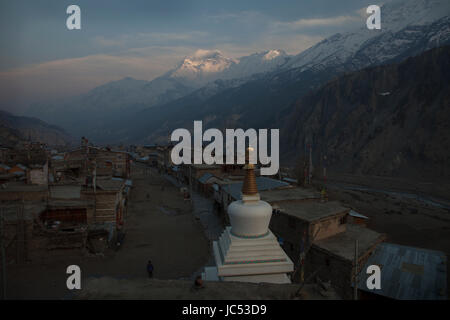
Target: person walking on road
[150, 269]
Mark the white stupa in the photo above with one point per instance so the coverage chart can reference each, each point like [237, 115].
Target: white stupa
[248, 251]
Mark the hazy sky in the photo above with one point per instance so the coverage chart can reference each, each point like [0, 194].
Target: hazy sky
[41, 60]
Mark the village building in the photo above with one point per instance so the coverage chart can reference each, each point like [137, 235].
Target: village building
[207, 183]
[144, 150]
[17, 230]
[30, 153]
[38, 173]
[314, 219]
[151, 159]
[71, 201]
[318, 237]
[106, 161]
[164, 157]
[333, 258]
[108, 198]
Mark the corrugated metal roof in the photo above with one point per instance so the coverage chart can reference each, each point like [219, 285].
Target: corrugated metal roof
[263, 183]
[4, 166]
[353, 213]
[408, 273]
[290, 180]
[204, 178]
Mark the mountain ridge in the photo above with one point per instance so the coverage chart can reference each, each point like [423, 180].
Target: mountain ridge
[19, 128]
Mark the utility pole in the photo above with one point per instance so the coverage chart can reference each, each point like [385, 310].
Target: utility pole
[190, 182]
[355, 284]
[95, 176]
[310, 164]
[2, 247]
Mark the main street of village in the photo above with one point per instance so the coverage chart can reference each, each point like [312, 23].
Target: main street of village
[160, 226]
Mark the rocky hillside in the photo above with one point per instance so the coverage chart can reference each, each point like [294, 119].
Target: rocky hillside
[9, 137]
[389, 120]
[15, 128]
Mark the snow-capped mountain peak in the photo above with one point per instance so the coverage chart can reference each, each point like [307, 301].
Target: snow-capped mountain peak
[202, 66]
[361, 47]
[209, 65]
[272, 54]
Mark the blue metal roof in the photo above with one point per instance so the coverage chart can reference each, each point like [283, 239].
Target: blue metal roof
[290, 180]
[408, 273]
[353, 213]
[204, 178]
[263, 183]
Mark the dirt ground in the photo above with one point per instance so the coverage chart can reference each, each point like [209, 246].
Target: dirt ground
[159, 226]
[106, 288]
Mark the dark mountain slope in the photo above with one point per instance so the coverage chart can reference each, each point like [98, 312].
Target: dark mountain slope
[16, 128]
[389, 120]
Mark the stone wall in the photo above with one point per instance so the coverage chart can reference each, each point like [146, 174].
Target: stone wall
[292, 231]
[329, 227]
[331, 268]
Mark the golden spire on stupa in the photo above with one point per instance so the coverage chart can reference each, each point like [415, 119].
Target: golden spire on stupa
[249, 187]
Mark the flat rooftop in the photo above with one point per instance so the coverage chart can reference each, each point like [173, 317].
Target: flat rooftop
[343, 244]
[273, 196]
[312, 211]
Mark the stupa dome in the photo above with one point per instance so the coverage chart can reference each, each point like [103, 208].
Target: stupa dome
[249, 217]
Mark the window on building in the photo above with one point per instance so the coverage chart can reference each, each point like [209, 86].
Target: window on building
[343, 220]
